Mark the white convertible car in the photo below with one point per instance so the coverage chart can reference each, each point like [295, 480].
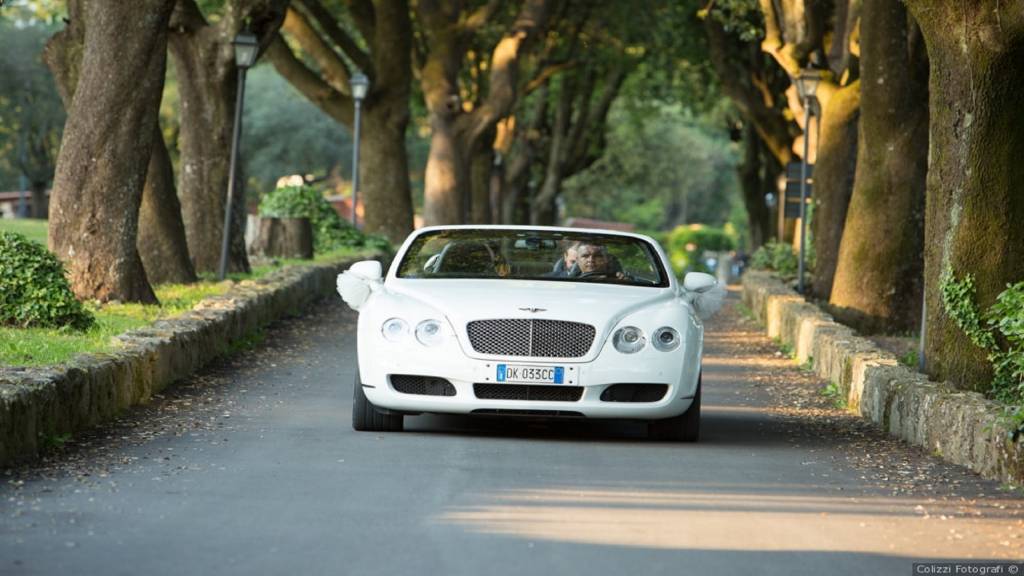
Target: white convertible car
[529, 321]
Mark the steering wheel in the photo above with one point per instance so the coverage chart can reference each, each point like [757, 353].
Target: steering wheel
[597, 274]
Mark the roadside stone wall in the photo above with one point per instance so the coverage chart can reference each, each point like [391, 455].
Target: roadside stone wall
[37, 404]
[961, 427]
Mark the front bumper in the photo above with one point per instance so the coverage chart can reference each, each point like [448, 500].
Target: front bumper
[678, 370]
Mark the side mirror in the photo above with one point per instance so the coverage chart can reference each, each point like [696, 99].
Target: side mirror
[356, 283]
[705, 293]
[699, 282]
[369, 269]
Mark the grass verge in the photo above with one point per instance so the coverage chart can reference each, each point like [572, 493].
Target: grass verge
[47, 346]
[32, 229]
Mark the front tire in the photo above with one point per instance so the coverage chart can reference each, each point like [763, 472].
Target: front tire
[682, 428]
[368, 418]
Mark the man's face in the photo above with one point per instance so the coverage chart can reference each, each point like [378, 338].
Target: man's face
[591, 258]
[570, 258]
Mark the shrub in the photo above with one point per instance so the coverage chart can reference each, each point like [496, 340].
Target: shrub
[999, 331]
[687, 245]
[34, 290]
[777, 256]
[330, 232]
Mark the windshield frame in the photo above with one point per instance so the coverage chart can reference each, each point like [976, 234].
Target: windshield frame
[650, 249]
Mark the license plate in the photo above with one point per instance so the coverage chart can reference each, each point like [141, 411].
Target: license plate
[531, 374]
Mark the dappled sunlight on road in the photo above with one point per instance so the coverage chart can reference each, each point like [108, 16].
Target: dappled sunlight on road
[748, 361]
[748, 521]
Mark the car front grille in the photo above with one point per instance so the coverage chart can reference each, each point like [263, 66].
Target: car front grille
[528, 392]
[421, 385]
[536, 338]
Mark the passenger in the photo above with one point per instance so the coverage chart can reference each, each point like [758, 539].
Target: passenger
[565, 263]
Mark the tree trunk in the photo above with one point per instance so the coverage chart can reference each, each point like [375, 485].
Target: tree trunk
[384, 171]
[833, 180]
[879, 273]
[106, 149]
[751, 177]
[208, 84]
[40, 203]
[285, 238]
[448, 33]
[480, 166]
[446, 179]
[161, 240]
[974, 206]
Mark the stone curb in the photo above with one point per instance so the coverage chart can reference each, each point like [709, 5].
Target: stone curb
[961, 427]
[47, 402]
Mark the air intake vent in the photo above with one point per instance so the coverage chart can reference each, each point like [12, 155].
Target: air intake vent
[528, 392]
[634, 392]
[527, 413]
[535, 338]
[422, 385]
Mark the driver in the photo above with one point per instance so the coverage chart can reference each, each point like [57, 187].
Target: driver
[594, 260]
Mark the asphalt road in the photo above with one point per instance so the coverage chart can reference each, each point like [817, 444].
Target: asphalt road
[252, 468]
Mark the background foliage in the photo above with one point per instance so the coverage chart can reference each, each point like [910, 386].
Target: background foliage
[663, 166]
[330, 232]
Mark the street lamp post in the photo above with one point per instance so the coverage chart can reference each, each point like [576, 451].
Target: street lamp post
[360, 85]
[806, 85]
[246, 50]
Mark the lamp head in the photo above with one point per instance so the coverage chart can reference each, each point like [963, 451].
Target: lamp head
[247, 47]
[807, 82]
[360, 85]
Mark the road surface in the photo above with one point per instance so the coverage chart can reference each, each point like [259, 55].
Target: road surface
[252, 468]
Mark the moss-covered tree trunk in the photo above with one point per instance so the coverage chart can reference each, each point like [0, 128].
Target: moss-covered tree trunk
[107, 145]
[975, 205]
[878, 278]
[833, 180]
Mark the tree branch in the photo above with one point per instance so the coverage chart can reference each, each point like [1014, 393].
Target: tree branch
[546, 73]
[335, 104]
[501, 96]
[332, 67]
[329, 24]
[482, 15]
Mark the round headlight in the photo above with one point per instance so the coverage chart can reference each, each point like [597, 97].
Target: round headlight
[429, 333]
[629, 339]
[394, 329]
[666, 339]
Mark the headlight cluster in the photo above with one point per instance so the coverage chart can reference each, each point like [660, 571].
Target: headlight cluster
[428, 332]
[630, 339]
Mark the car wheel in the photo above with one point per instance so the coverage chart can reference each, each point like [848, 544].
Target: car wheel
[368, 418]
[682, 428]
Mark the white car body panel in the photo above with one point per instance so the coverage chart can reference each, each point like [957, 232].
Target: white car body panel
[456, 302]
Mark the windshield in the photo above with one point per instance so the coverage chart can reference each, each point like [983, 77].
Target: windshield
[557, 256]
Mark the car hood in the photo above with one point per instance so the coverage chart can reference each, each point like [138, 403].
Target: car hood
[600, 305]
